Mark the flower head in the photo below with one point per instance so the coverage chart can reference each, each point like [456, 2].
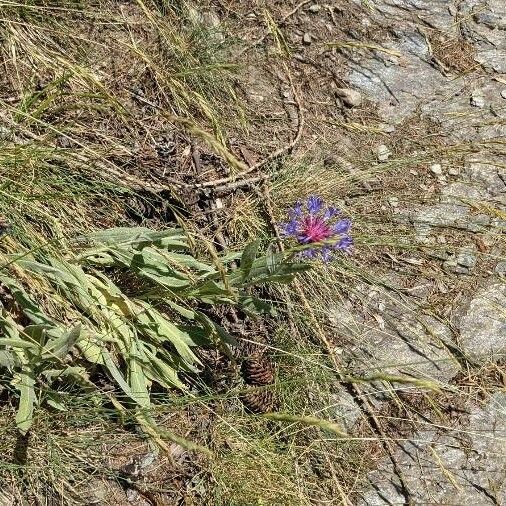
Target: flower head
[316, 223]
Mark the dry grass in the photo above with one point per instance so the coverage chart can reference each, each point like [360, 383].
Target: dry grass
[102, 99]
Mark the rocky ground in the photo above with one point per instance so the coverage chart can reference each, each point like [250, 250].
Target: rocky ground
[461, 461]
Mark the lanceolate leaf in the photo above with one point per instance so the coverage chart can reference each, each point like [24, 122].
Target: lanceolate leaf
[248, 257]
[24, 381]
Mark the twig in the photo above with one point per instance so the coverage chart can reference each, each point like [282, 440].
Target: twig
[239, 184]
[273, 156]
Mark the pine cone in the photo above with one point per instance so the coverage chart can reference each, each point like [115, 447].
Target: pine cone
[261, 401]
[258, 371]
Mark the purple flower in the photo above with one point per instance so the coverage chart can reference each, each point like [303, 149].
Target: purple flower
[316, 223]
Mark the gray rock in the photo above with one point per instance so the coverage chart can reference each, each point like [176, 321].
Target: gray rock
[503, 93]
[395, 87]
[383, 153]
[395, 339]
[444, 468]
[484, 26]
[462, 263]
[483, 324]
[315, 8]
[393, 201]
[501, 268]
[436, 169]
[307, 39]
[467, 258]
[387, 128]
[447, 214]
[343, 409]
[477, 100]
[349, 97]
[450, 107]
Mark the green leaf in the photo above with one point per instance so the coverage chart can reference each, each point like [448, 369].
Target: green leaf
[160, 329]
[58, 348]
[120, 380]
[161, 372]
[54, 399]
[137, 236]
[8, 360]
[186, 313]
[248, 257]
[137, 378]
[213, 328]
[24, 381]
[272, 260]
[30, 309]
[91, 351]
[256, 306]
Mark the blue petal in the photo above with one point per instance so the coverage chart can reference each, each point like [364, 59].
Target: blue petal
[314, 204]
[342, 226]
[330, 213]
[296, 212]
[326, 254]
[345, 243]
[308, 253]
[290, 228]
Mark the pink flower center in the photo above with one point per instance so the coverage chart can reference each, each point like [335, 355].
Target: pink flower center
[315, 229]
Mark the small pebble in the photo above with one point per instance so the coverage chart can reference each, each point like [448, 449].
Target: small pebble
[441, 239]
[477, 100]
[503, 93]
[307, 39]
[387, 128]
[5, 133]
[315, 8]
[383, 153]
[349, 97]
[436, 169]
[453, 171]
[501, 268]
[393, 201]
[414, 172]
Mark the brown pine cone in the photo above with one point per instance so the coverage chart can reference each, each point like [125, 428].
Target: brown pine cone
[258, 371]
[261, 401]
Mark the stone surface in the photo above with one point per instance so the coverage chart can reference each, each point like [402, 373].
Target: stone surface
[477, 99]
[393, 338]
[349, 97]
[483, 325]
[343, 410]
[465, 205]
[464, 465]
[483, 24]
[394, 81]
[436, 168]
[463, 262]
